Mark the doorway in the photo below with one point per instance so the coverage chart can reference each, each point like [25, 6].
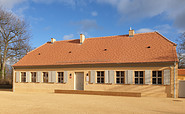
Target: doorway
[79, 81]
[182, 88]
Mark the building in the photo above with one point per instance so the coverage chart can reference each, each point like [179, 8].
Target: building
[144, 63]
[181, 74]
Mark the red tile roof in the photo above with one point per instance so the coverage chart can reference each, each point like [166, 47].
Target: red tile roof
[143, 47]
[181, 72]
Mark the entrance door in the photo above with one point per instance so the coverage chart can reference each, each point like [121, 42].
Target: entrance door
[182, 88]
[79, 81]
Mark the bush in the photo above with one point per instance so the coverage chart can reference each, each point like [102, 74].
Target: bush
[5, 82]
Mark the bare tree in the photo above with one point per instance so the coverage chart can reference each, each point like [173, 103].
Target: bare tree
[14, 38]
[181, 50]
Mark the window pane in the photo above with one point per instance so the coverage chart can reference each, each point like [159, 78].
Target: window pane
[159, 73]
[60, 77]
[141, 73]
[117, 80]
[102, 80]
[98, 80]
[33, 76]
[136, 73]
[98, 73]
[23, 76]
[153, 80]
[117, 73]
[141, 80]
[122, 80]
[45, 77]
[122, 73]
[136, 80]
[153, 73]
[102, 73]
[159, 80]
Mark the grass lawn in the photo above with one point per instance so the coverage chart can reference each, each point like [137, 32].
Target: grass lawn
[42, 103]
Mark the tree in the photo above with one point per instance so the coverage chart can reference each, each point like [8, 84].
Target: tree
[181, 50]
[14, 38]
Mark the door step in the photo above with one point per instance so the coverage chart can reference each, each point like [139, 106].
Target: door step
[108, 93]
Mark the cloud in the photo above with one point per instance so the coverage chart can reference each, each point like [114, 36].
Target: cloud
[140, 9]
[47, 28]
[21, 10]
[163, 29]
[94, 13]
[143, 30]
[10, 3]
[68, 2]
[35, 19]
[87, 24]
[67, 37]
[72, 3]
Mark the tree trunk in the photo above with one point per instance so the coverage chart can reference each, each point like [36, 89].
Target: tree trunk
[3, 70]
[0, 63]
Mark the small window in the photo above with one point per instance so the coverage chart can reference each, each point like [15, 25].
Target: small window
[157, 77]
[100, 76]
[139, 77]
[60, 77]
[120, 76]
[23, 76]
[45, 77]
[33, 76]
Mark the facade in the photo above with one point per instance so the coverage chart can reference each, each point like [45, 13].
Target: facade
[143, 63]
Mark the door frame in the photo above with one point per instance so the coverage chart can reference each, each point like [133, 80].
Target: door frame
[75, 80]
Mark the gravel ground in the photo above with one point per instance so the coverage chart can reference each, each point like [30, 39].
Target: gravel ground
[44, 103]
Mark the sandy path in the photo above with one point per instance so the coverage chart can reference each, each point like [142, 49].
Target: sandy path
[42, 103]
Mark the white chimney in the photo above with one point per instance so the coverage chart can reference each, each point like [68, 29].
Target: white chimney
[131, 32]
[82, 38]
[53, 40]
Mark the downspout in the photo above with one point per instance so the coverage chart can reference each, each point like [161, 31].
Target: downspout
[13, 86]
[174, 81]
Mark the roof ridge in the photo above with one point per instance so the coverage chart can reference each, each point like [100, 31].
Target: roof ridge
[93, 37]
[109, 36]
[144, 33]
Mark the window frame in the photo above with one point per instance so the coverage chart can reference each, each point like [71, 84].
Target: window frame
[23, 77]
[100, 77]
[120, 77]
[35, 77]
[157, 77]
[139, 77]
[60, 77]
[45, 77]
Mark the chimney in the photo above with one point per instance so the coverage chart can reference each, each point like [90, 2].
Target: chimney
[82, 38]
[131, 32]
[53, 40]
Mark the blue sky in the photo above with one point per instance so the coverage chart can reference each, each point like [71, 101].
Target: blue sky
[67, 19]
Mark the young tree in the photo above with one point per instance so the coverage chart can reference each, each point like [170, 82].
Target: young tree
[14, 38]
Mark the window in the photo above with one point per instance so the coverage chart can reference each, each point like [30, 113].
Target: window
[139, 77]
[45, 77]
[100, 76]
[120, 76]
[157, 77]
[60, 77]
[33, 76]
[23, 76]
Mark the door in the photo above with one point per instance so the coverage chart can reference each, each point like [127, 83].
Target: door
[79, 81]
[182, 88]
